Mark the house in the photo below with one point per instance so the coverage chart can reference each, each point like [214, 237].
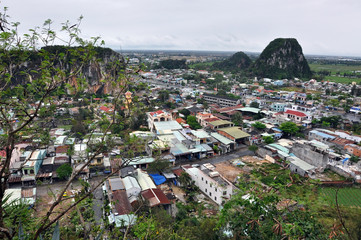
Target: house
[235, 134]
[132, 188]
[320, 136]
[278, 107]
[220, 124]
[295, 116]
[211, 183]
[31, 167]
[353, 149]
[158, 116]
[155, 197]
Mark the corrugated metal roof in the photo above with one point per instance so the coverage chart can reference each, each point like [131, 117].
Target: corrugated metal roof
[279, 147]
[144, 180]
[222, 139]
[200, 133]
[167, 125]
[116, 184]
[301, 164]
[220, 123]
[250, 109]
[235, 132]
[130, 182]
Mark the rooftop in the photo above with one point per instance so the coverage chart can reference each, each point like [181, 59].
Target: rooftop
[235, 132]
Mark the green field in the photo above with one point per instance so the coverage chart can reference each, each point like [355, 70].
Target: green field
[334, 68]
[347, 196]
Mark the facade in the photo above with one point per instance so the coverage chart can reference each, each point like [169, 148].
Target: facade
[278, 107]
[211, 183]
[158, 116]
[295, 116]
[353, 149]
[221, 101]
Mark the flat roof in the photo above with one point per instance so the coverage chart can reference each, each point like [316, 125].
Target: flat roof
[324, 135]
[235, 132]
[220, 123]
[279, 147]
[250, 109]
[301, 164]
[167, 125]
[200, 133]
[222, 139]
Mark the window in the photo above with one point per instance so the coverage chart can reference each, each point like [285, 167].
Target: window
[224, 192]
[210, 194]
[31, 171]
[25, 172]
[206, 190]
[215, 198]
[206, 182]
[202, 178]
[216, 189]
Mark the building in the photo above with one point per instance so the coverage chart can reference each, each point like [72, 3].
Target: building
[221, 100]
[158, 116]
[220, 124]
[353, 149]
[211, 183]
[295, 116]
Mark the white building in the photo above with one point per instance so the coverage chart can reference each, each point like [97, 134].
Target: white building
[211, 183]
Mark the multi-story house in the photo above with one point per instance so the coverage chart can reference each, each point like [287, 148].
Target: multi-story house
[158, 116]
[211, 183]
[31, 167]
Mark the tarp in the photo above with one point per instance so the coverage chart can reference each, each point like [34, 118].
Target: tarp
[158, 179]
[343, 161]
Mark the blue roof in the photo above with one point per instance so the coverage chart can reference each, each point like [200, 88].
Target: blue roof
[324, 135]
[158, 179]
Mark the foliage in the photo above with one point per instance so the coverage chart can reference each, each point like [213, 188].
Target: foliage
[173, 64]
[159, 165]
[253, 214]
[192, 122]
[285, 52]
[237, 62]
[268, 139]
[185, 112]
[64, 171]
[354, 159]
[163, 95]
[253, 148]
[259, 125]
[289, 128]
[237, 119]
[254, 104]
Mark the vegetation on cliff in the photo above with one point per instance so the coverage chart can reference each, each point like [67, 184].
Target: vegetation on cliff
[282, 58]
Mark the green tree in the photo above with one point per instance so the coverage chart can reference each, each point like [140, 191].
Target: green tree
[259, 125]
[268, 139]
[159, 165]
[289, 128]
[354, 159]
[237, 119]
[254, 104]
[64, 171]
[253, 148]
[192, 122]
[163, 96]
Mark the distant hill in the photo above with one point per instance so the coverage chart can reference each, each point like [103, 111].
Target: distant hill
[173, 64]
[237, 62]
[282, 58]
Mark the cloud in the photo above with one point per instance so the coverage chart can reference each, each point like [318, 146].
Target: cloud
[321, 27]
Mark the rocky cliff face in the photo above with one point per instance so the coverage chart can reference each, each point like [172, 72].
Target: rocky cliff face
[237, 62]
[282, 58]
[95, 72]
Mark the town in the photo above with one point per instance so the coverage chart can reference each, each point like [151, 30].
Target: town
[196, 131]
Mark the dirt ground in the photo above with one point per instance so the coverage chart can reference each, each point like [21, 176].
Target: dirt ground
[228, 171]
[252, 159]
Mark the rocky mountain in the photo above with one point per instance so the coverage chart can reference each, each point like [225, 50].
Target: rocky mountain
[95, 72]
[237, 62]
[282, 58]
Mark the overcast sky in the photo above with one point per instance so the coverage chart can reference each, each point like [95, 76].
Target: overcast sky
[330, 27]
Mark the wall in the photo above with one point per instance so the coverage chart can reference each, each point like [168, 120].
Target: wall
[306, 153]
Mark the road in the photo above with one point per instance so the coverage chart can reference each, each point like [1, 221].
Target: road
[220, 158]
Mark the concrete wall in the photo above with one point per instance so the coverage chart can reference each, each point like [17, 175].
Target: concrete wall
[307, 154]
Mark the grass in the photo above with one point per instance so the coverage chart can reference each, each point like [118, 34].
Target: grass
[342, 79]
[334, 68]
[348, 196]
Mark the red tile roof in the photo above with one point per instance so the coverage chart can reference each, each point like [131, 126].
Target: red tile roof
[178, 171]
[296, 113]
[211, 119]
[62, 149]
[155, 197]
[121, 202]
[157, 112]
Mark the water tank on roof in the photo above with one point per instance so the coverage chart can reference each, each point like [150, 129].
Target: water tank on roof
[214, 174]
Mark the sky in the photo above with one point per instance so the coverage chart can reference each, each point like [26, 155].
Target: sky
[323, 27]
